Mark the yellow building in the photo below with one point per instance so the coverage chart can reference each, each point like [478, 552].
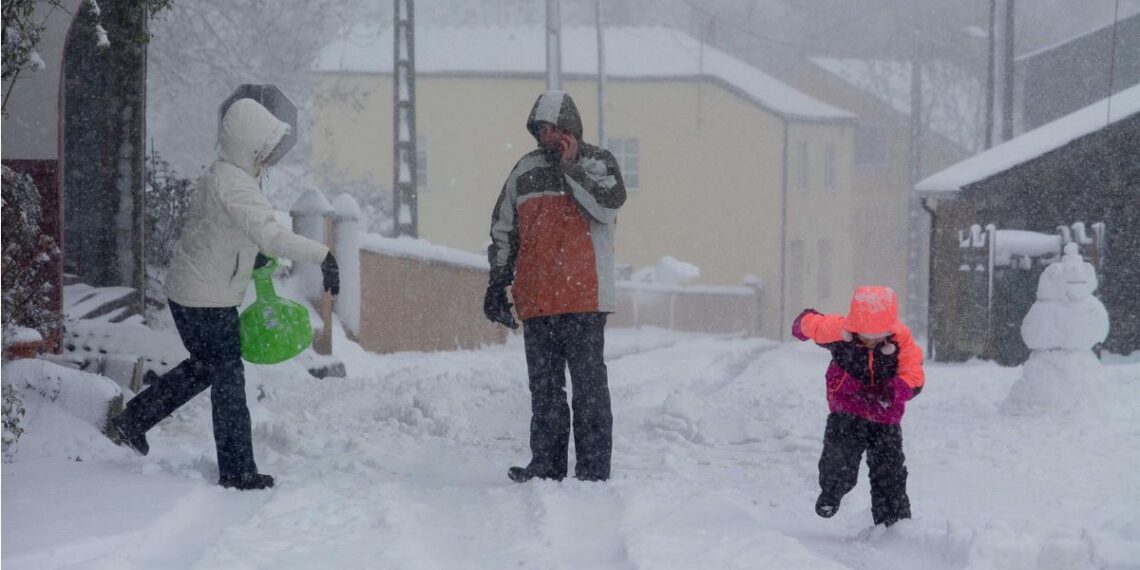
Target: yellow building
[727, 168]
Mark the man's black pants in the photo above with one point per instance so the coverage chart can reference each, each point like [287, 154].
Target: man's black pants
[211, 335]
[552, 343]
[844, 440]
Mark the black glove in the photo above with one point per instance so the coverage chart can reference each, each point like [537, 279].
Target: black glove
[331, 274]
[260, 261]
[496, 306]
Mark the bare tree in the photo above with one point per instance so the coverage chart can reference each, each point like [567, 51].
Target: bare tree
[204, 50]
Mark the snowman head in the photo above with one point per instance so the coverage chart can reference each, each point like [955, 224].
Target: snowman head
[1070, 279]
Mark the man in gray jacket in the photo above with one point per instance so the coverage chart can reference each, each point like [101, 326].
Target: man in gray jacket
[229, 223]
[552, 243]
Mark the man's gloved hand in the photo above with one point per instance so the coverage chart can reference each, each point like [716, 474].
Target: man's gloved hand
[330, 274]
[496, 306]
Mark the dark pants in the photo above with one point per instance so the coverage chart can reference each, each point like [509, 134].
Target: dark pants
[211, 335]
[552, 343]
[844, 440]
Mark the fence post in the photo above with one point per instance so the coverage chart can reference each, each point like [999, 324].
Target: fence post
[346, 232]
[672, 310]
[308, 213]
[636, 296]
[756, 283]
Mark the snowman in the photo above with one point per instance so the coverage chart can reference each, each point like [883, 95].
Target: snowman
[1061, 328]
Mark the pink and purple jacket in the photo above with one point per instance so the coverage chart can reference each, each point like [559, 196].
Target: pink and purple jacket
[871, 383]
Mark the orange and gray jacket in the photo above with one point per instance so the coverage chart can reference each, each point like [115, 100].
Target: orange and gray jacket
[552, 229]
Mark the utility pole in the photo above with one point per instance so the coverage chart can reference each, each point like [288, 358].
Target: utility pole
[991, 67]
[1007, 87]
[404, 179]
[914, 314]
[602, 135]
[553, 45]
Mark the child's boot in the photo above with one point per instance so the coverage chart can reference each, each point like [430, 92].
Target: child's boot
[826, 506]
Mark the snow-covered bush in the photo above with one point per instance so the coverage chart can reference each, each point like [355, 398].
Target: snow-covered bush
[375, 204]
[21, 36]
[26, 251]
[167, 202]
[13, 412]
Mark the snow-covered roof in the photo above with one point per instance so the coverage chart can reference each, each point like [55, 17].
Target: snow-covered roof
[632, 53]
[1033, 144]
[952, 96]
[1122, 21]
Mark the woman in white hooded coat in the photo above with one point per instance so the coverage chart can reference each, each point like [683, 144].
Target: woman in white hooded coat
[229, 223]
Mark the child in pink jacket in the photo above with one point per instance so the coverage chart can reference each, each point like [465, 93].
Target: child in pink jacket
[876, 367]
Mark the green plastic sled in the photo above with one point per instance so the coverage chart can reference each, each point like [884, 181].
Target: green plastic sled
[273, 329]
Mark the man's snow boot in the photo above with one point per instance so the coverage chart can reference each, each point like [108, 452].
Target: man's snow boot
[519, 474]
[826, 506]
[524, 474]
[123, 436]
[247, 482]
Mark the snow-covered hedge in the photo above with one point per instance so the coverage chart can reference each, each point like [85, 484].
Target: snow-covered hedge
[26, 297]
[13, 411]
[167, 202]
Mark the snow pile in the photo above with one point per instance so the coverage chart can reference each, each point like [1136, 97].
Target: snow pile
[1061, 329]
[65, 410]
[667, 271]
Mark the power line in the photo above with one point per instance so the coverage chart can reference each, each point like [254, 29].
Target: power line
[746, 31]
[842, 23]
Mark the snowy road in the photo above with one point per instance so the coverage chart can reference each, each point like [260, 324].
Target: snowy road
[403, 465]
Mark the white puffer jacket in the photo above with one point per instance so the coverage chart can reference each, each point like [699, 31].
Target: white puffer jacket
[230, 220]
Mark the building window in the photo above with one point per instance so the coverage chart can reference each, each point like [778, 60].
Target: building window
[823, 274]
[421, 161]
[629, 160]
[829, 168]
[803, 169]
[796, 276]
[870, 145]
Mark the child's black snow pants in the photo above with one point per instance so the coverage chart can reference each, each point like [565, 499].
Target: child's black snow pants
[212, 337]
[553, 343]
[844, 440]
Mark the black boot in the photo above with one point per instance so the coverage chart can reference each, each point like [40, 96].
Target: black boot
[524, 474]
[826, 506]
[123, 435]
[247, 482]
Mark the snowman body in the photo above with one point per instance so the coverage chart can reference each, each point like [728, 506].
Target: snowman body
[1061, 329]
